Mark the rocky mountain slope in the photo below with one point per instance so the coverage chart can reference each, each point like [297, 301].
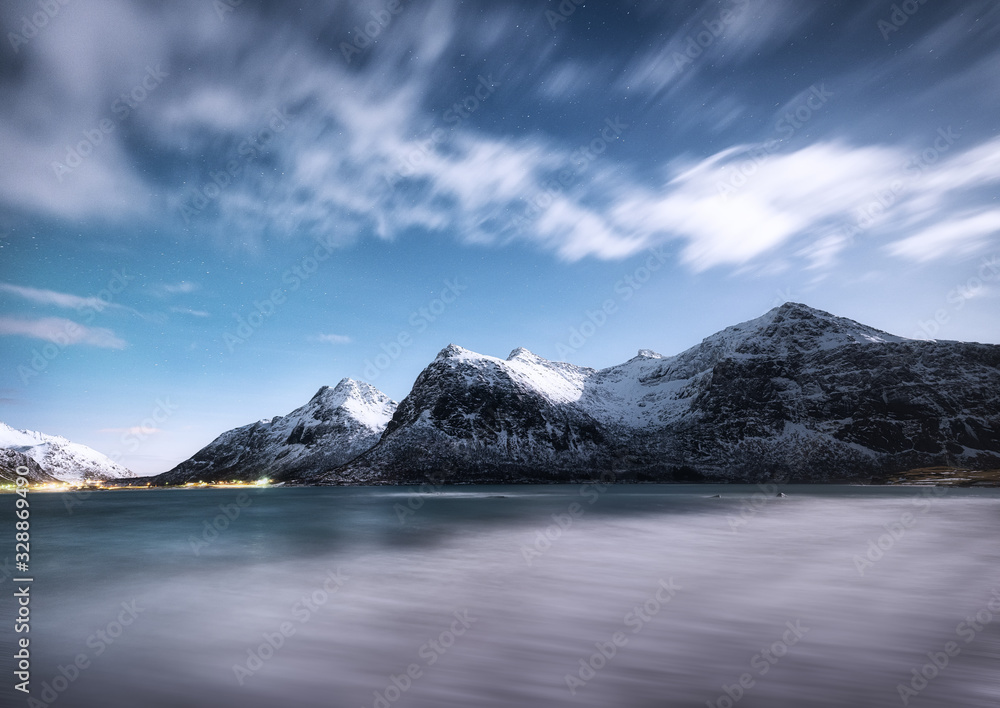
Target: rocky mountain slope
[60, 458]
[474, 417]
[336, 425]
[796, 394]
[10, 460]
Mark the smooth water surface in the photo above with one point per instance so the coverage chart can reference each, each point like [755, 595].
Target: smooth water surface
[506, 596]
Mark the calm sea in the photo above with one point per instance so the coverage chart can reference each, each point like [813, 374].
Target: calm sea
[619, 597]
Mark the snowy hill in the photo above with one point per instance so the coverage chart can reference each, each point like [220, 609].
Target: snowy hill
[469, 412]
[794, 394]
[57, 456]
[336, 425]
[10, 460]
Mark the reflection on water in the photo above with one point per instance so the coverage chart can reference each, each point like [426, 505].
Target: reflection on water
[518, 596]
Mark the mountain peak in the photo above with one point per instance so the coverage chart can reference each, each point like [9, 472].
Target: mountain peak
[798, 306]
[357, 398]
[648, 354]
[521, 353]
[349, 386]
[453, 351]
[794, 326]
[798, 311]
[336, 424]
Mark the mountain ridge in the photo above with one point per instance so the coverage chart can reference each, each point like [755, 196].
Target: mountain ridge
[795, 394]
[60, 458]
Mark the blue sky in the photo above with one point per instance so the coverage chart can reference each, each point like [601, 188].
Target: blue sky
[209, 210]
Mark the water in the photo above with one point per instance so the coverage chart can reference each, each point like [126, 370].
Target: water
[515, 598]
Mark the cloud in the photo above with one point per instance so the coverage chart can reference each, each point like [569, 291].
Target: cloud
[61, 331]
[370, 149]
[189, 311]
[714, 34]
[183, 287]
[743, 202]
[954, 237]
[58, 299]
[740, 204]
[332, 339]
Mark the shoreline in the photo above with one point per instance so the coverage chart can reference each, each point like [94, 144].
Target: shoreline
[946, 477]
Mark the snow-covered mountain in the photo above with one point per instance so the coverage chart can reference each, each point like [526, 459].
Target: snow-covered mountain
[10, 460]
[57, 456]
[794, 394]
[468, 413]
[336, 425]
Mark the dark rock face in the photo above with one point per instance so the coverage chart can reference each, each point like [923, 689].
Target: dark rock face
[850, 412]
[10, 460]
[335, 426]
[472, 419]
[797, 394]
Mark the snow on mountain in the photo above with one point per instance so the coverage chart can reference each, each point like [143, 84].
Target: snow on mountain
[796, 393]
[10, 460]
[791, 328]
[65, 460]
[471, 412]
[336, 425]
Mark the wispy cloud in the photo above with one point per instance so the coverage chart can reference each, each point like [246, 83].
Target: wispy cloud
[352, 126]
[332, 339]
[59, 299]
[179, 288]
[189, 311]
[955, 237]
[61, 331]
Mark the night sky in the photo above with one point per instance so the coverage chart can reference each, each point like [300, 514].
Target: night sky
[210, 209]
